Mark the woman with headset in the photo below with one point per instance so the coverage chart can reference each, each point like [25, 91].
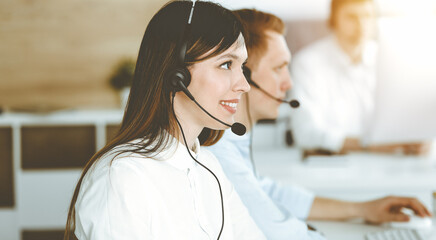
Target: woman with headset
[153, 181]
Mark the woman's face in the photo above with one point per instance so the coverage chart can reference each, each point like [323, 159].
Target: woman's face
[217, 84]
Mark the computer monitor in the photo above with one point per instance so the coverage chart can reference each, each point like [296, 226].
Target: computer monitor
[405, 109]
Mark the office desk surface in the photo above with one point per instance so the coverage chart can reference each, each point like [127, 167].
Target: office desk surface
[356, 230]
[350, 173]
[354, 177]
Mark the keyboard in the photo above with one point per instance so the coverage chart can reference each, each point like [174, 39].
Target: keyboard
[395, 234]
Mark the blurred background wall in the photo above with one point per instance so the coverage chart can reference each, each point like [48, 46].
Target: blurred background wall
[61, 53]
[57, 54]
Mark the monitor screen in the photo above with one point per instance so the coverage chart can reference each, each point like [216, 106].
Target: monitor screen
[405, 109]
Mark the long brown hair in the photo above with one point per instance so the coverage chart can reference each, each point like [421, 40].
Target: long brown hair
[148, 113]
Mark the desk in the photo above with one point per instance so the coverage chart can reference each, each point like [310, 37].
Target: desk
[354, 177]
[351, 173]
[356, 230]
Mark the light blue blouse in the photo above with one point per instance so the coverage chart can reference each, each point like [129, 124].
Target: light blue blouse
[276, 209]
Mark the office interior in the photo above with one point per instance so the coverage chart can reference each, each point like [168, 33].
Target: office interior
[60, 102]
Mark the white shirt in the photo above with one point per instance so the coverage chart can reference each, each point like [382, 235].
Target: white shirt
[274, 207]
[168, 197]
[336, 95]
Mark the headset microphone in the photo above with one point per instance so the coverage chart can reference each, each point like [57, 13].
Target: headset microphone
[247, 74]
[237, 128]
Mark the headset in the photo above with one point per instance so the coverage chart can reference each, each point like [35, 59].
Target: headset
[179, 79]
[293, 103]
[247, 74]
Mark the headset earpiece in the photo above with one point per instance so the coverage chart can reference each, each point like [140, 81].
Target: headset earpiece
[177, 76]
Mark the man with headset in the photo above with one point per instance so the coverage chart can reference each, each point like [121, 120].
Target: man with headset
[279, 211]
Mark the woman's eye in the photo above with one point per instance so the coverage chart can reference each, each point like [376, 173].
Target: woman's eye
[226, 65]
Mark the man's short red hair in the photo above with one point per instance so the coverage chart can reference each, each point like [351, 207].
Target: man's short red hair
[257, 24]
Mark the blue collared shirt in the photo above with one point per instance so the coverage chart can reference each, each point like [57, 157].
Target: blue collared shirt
[276, 209]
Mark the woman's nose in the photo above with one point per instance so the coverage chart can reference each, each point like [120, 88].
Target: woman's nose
[242, 83]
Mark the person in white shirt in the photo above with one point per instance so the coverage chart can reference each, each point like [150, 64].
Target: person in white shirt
[153, 181]
[335, 80]
[280, 210]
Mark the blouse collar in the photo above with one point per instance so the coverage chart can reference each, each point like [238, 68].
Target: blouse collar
[176, 154]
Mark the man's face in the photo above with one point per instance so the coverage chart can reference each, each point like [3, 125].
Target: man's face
[271, 74]
[354, 21]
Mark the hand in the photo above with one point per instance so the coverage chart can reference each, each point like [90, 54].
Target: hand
[405, 148]
[416, 148]
[388, 209]
[351, 145]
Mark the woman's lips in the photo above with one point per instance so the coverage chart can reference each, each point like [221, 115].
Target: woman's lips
[230, 105]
